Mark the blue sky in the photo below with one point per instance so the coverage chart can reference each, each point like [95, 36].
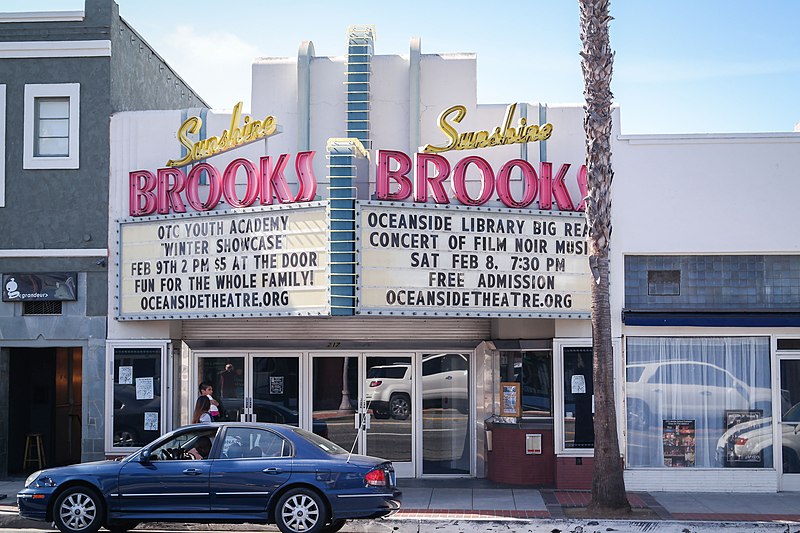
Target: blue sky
[681, 66]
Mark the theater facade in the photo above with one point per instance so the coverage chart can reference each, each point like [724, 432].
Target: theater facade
[371, 254]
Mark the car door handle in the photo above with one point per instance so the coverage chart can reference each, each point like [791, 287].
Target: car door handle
[449, 377]
[192, 471]
[272, 470]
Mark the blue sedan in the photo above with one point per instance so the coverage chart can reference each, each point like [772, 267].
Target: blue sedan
[226, 472]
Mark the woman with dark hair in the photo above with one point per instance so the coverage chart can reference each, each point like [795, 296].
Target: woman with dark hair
[201, 407]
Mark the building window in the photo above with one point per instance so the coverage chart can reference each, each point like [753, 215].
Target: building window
[51, 131]
[578, 397]
[51, 126]
[135, 396]
[664, 282]
[534, 370]
[702, 402]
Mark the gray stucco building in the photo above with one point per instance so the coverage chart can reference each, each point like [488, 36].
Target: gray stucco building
[62, 76]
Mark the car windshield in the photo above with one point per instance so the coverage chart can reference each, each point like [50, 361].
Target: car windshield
[391, 372]
[323, 444]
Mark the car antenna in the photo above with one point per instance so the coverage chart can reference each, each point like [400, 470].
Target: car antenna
[362, 421]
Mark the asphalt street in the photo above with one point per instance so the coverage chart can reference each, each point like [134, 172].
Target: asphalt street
[14, 524]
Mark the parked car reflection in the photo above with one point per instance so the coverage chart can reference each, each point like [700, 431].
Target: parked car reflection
[686, 389]
[751, 442]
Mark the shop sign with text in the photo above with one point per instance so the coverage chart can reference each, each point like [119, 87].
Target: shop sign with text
[257, 262]
[472, 262]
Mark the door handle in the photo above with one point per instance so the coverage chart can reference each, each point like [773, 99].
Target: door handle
[192, 471]
[449, 377]
[272, 470]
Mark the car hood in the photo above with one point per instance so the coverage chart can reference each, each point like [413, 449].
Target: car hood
[93, 468]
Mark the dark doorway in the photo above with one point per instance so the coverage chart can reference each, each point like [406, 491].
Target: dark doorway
[44, 397]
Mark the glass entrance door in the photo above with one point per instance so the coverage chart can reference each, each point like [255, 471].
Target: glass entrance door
[446, 433]
[789, 430]
[366, 404]
[254, 387]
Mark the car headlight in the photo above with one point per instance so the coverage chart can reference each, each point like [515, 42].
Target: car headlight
[37, 480]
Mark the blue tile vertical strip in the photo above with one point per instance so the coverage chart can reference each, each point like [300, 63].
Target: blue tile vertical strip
[360, 45]
[344, 157]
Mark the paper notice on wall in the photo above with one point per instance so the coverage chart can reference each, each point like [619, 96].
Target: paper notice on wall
[144, 388]
[578, 384]
[151, 421]
[126, 375]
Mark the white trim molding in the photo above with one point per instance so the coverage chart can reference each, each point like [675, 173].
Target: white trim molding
[43, 16]
[37, 49]
[34, 91]
[2, 145]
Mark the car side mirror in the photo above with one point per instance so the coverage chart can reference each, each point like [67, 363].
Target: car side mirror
[144, 457]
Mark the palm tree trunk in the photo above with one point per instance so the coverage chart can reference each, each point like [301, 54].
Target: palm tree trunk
[608, 483]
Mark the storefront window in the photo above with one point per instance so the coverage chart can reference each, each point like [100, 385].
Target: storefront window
[136, 396]
[534, 370]
[578, 398]
[699, 402]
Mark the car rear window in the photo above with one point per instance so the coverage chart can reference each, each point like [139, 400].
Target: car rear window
[323, 444]
[390, 372]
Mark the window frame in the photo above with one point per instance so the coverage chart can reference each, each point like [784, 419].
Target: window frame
[165, 416]
[51, 90]
[558, 394]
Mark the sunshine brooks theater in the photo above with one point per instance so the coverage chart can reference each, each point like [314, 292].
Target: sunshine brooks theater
[370, 254]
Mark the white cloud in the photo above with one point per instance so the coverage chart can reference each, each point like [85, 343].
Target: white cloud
[215, 64]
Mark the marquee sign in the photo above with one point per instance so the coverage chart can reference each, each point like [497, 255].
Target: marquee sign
[472, 262]
[257, 262]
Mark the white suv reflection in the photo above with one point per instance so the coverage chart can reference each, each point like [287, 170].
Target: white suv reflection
[445, 380]
[686, 389]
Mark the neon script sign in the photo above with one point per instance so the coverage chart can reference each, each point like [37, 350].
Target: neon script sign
[234, 137]
[432, 170]
[501, 135]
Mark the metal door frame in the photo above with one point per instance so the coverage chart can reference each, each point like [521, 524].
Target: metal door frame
[786, 482]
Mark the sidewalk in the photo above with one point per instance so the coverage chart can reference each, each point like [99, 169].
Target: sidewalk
[478, 499]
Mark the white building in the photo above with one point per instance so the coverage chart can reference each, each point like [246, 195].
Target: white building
[363, 304]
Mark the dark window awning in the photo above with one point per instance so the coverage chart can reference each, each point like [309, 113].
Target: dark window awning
[724, 319]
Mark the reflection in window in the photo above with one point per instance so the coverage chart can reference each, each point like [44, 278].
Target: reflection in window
[246, 443]
[699, 402]
[445, 414]
[578, 398]
[226, 376]
[534, 370]
[137, 396]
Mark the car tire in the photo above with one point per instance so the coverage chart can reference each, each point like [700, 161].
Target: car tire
[301, 511]
[380, 415]
[400, 406]
[78, 510]
[334, 526]
[122, 526]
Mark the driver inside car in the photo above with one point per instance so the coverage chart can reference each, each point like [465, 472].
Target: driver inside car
[201, 448]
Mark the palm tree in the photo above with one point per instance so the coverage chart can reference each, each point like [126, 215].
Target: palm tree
[608, 483]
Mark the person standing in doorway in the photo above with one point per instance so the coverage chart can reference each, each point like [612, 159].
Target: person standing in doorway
[207, 390]
[227, 382]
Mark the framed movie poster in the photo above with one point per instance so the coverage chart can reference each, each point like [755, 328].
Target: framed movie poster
[678, 441]
[510, 399]
[737, 423]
